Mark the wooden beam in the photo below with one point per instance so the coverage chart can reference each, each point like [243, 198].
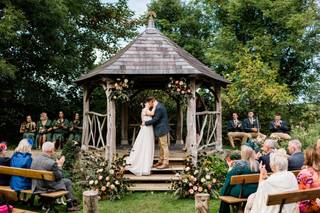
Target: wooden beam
[124, 124]
[85, 125]
[111, 126]
[217, 90]
[191, 139]
[179, 131]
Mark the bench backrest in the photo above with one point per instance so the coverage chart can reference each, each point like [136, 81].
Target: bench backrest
[292, 196]
[28, 173]
[251, 178]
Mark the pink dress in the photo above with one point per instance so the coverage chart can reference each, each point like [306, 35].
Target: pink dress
[308, 179]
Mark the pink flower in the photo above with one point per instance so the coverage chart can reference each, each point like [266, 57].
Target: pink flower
[103, 188]
[100, 177]
[191, 191]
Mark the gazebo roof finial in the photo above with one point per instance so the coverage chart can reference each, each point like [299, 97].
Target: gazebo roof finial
[152, 15]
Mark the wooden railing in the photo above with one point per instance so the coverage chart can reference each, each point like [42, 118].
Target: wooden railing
[96, 130]
[207, 122]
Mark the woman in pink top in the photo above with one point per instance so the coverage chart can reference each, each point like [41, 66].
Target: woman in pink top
[309, 178]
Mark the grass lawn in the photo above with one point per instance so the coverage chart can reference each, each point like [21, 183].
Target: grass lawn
[146, 202]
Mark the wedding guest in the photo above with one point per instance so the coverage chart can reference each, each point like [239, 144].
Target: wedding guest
[60, 129]
[76, 129]
[268, 147]
[281, 180]
[252, 127]
[21, 158]
[309, 178]
[247, 165]
[28, 128]
[45, 162]
[296, 157]
[235, 130]
[4, 161]
[44, 127]
[279, 128]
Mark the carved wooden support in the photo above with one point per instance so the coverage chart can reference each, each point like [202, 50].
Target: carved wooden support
[202, 203]
[90, 202]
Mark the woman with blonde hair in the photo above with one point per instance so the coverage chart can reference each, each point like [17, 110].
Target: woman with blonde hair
[247, 165]
[281, 180]
[309, 178]
[21, 158]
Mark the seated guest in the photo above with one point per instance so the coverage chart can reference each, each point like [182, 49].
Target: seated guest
[21, 158]
[296, 157]
[28, 129]
[268, 147]
[235, 130]
[279, 181]
[45, 162]
[252, 127]
[246, 165]
[279, 128]
[309, 178]
[4, 161]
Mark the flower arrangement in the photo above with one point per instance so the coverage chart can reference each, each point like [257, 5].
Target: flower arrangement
[180, 90]
[110, 183]
[207, 177]
[121, 89]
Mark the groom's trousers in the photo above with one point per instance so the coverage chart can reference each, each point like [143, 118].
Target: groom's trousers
[164, 148]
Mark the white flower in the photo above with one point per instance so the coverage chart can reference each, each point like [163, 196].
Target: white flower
[187, 169]
[200, 189]
[206, 169]
[126, 81]
[107, 178]
[196, 172]
[112, 186]
[203, 180]
[117, 182]
[190, 184]
[177, 174]
[100, 170]
[111, 171]
[91, 182]
[96, 182]
[108, 184]
[208, 177]
[185, 180]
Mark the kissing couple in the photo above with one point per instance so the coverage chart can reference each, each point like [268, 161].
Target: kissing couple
[154, 120]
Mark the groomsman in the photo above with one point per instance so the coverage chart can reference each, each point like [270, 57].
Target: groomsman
[252, 127]
[235, 130]
[279, 128]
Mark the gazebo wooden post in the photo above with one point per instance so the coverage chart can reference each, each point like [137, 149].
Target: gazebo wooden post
[124, 124]
[191, 139]
[179, 131]
[111, 126]
[85, 127]
[217, 90]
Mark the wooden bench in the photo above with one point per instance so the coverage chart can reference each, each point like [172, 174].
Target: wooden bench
[292, 197]
[49, 197]
[236, 203]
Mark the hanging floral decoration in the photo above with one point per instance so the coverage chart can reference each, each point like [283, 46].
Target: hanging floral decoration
[180, 90]
[121, 90]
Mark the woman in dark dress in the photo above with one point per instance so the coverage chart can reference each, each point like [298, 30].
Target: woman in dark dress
[4, 161]
[247, 165]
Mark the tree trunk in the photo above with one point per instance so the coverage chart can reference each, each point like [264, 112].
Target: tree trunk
[202, 203]
[90, 202]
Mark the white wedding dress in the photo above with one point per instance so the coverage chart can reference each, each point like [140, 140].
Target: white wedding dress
[140, 160]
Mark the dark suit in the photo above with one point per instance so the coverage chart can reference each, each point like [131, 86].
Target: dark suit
[159, 121]
[247, 125]
[265, 159]
[161, 130]
[295, 161]
[283, 127]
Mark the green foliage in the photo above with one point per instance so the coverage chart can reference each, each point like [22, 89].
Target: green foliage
[307, 136]
[70, 151]
[254, 86]
[207, 177]
[109, 182]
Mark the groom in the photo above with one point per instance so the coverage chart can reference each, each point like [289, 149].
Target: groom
[161, 130]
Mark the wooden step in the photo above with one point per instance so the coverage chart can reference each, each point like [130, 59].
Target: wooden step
[151, 187]
[152, 177]
[172, 159]
[172, 167]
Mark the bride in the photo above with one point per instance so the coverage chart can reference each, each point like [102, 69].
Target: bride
[141, 155]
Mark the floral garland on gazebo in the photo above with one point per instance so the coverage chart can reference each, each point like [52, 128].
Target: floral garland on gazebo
[180, 90]
[121, 90]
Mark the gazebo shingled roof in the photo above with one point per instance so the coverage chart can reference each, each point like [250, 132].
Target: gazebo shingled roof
[152, 53]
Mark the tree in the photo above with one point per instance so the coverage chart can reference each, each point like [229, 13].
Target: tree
[49, 44]
[284, 34]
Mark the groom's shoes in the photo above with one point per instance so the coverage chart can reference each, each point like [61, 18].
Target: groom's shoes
[163, 166]
[157, 164]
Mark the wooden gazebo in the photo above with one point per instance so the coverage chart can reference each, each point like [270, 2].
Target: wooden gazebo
[150, 60]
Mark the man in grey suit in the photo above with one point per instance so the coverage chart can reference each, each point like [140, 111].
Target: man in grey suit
[296, 158]
[45, 162]
[161, 131]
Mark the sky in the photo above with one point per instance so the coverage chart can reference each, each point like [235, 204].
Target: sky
[138, 6]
